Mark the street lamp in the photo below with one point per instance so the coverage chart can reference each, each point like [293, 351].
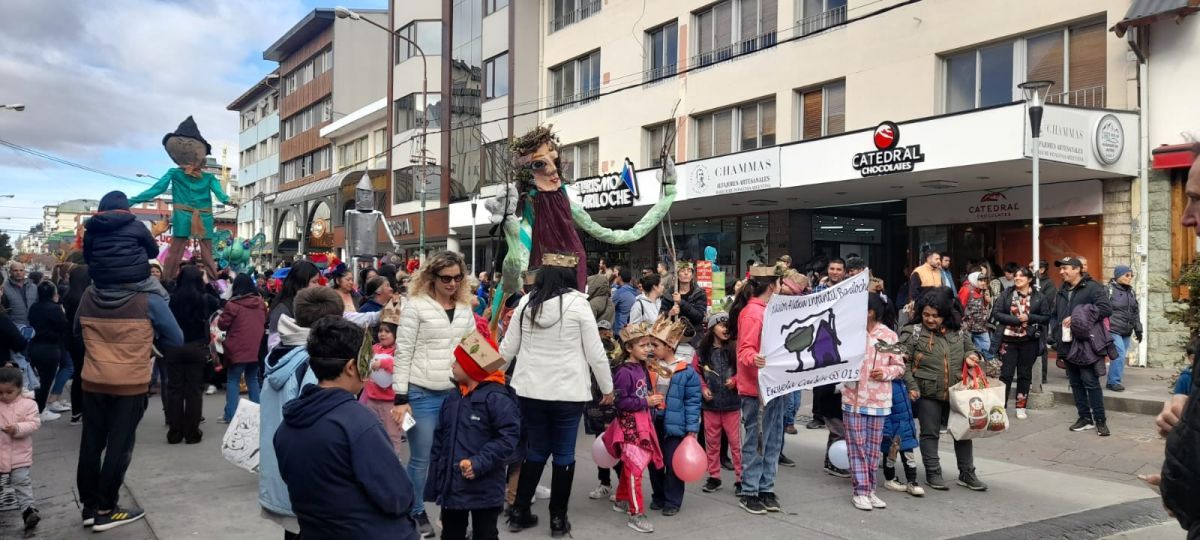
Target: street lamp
[13, 107]
[474, 203]
[345, 13]
[8, 196]
[1035, 97]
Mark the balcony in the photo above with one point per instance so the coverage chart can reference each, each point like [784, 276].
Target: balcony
[820, 21]
[1092, 96]
[661, 72]
[574, 100]
[586, 9]
[745, 46]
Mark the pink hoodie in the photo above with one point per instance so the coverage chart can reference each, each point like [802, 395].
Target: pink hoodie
[749, 343]
[16, 450]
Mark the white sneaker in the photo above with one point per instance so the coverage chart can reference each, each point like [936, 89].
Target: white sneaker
[542, 492]
[210, 390]
[48, 415]
[876, 501]
[1021, 414]
[600, 492]
[59, 407]
[895, 485]
[916, 490]
[862, 502]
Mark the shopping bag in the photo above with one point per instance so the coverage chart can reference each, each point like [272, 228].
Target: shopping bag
[239, 446]
[976, 407]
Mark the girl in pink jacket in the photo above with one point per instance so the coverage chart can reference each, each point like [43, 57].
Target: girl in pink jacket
[866, 404]
[18, 420]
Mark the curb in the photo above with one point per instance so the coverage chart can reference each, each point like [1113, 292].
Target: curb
[1089, 524]
[1114, 403]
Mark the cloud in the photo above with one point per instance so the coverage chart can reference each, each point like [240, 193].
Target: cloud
[117, 75]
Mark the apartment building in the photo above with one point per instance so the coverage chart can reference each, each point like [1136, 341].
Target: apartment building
[258, 158]
[482, 77]
[328, 68]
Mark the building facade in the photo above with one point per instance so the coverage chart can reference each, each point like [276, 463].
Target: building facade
[258, 159]
[314, 93]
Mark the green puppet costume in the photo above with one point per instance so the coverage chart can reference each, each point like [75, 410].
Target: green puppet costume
[542, 219]
[191, 194]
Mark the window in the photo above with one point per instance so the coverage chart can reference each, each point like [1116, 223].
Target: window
[1073, 57]
[492, 6]
[414, 109]
[406, 184]
[662, 51]
[426, 34]
[568, 12]
[495, 76]
[821, 14]
[497, 161]
[307, 165]
[753, 123]
[734, 27]
[656, 136]
[823, 110]
[379, 142]
[575, 81]
[352, 153]
[318, 64]
[581, 160]
[310, 117]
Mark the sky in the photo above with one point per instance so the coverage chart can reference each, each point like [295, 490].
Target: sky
[102, 82]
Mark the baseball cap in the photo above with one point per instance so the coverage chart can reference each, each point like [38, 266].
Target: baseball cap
[1068, 261]
[604, 325]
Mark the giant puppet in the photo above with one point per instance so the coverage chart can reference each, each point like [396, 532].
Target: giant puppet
[361, 224]
[541, 218]
[191, 194]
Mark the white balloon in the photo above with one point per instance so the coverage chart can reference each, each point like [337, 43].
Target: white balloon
[839, 455]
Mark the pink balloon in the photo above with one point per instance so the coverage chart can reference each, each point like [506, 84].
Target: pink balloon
[601, 456]
[689, 462]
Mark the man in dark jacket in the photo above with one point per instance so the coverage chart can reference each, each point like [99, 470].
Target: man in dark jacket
[1078, 289]
[118, 247]
[623, 298]
[343, 477]
[20, 293]
[1124, 323]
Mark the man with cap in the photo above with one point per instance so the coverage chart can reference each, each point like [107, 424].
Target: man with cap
[1124, 323]
[191, 194]
[1079, 289]
[118, 248]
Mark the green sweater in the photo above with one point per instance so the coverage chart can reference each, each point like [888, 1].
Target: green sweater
[190, 197]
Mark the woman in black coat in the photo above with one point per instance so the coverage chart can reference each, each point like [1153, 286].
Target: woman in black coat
[1024, 314]
[192, 307]
[11, 340]
[47, 348]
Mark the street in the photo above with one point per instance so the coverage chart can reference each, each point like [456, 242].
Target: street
[1038, 472]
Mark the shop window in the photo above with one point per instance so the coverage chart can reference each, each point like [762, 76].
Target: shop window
[656, 141]
[692, 236]
[818, 15]
[575, 82]
[495, 76]
[753, 239]
[823, 110]
[662, 51]
[426, 34]
[1073, 57]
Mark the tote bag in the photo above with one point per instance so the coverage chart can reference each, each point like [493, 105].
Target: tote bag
[239, 446]
[976, 407]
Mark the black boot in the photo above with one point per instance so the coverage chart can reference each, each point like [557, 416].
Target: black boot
[521, 517]
[968, 479]
[562, 476]
[933, 478]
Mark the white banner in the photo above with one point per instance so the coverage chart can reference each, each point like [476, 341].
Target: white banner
[813, 340]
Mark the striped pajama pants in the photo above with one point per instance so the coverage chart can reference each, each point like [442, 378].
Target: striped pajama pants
[864, 434]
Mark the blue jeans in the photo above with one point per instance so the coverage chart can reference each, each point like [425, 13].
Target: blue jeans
[232, 389]
[426, 407]
[1085, 386]
[793, 406]
[551, 428]
[66, 368]
[1116, 368]
[983, 344]
[759, 468]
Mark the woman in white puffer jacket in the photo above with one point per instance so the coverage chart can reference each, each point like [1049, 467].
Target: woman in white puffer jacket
[436, 316]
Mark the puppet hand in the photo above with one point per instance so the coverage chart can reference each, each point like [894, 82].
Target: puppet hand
[668, 171]
[502, 205]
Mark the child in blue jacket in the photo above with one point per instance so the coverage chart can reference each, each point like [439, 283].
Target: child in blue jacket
[476, 438]
[679, 414]
[900, 438]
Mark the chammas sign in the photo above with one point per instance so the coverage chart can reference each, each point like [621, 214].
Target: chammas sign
[888, 156]
[814, 340]
[734, 173]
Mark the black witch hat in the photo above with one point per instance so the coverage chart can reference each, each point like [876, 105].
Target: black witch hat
[188, 129]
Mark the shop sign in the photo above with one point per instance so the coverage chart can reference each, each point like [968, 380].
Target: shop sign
[704, 277]
[1064, 137]
[401, 227]
[888, 157]
[1057, 200]
[604, 192]
[737, 173]
[1109, 141]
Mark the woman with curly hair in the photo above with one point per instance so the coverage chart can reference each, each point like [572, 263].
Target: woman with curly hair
[435, 318]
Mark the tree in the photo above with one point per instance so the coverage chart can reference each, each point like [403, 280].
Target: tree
[6, 249]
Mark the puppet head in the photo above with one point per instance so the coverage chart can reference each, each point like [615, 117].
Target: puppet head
[536, 160]
[364, 195]
[186, 146]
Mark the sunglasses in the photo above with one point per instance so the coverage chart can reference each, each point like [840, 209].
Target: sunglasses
[447, 279]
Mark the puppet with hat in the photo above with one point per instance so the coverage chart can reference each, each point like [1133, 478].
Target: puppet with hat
[191, 193]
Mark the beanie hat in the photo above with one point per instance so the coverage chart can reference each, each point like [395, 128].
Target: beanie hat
[114, 200]
[1121, 270]
[716, 318]
[316, 302]
[477, 356]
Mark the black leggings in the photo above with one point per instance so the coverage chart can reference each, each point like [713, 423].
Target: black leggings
[483, 524]
[44, 357]
[1018, 359]
[889, 467]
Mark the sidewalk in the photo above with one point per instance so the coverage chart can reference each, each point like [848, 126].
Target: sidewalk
[1145, 389]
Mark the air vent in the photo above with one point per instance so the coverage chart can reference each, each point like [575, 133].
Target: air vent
[760, 202]
[939, 184]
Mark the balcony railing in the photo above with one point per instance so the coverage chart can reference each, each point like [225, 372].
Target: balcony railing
[746, 46]
[822, 20]
[574, 100]
[586, 9]
[661, 72]
[1092, 96]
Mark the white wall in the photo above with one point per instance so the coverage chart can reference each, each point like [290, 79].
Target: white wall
[1174, 68]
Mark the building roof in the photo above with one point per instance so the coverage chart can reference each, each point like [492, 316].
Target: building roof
[304, 31]
[78, 206]
[250, 96]
[1143, 12]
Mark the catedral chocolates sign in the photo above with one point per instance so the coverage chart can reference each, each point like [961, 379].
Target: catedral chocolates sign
[1067, 199]
[888, 157]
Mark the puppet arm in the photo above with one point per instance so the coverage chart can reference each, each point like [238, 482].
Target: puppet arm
[157, 189]
[639, 229]
[216, 189]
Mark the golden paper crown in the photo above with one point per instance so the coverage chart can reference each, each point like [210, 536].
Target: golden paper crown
[764, 271]
[680, 265]
[565, 260]
[631, 332]
[669, 330]
[391, 312]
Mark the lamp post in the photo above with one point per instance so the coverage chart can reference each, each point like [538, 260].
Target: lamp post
[1035, 96]
[474, 203]
[344, 13]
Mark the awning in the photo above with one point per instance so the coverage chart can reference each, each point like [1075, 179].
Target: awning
[1144, 12]
[1175, 156]
[314, 190]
